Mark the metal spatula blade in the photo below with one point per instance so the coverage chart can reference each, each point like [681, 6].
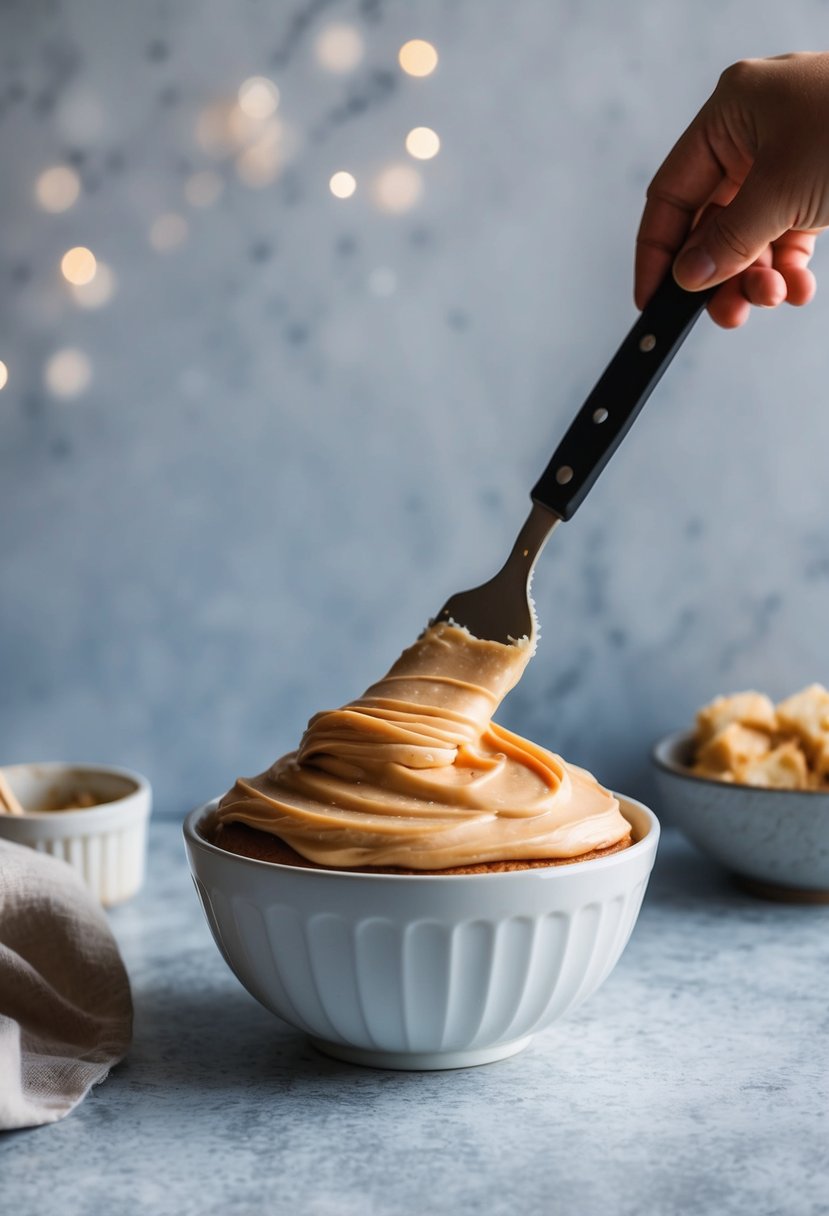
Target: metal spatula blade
[502, 609]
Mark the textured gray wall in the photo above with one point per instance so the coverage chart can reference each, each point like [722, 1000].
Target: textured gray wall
[277, 472]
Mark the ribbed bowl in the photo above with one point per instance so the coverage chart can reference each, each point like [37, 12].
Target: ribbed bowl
[421, 971]
[106, 843]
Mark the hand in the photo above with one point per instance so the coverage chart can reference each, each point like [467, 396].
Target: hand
[745, 191]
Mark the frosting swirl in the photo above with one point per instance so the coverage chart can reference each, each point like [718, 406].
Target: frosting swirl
[416, 774]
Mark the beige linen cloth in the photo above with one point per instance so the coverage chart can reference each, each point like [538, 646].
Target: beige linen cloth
[65, 1004]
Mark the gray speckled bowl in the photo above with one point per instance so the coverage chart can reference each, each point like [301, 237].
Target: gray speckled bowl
[776, 842]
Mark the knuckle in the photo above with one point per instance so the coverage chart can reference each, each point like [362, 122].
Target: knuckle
[729, 237]
[736, 74]
[652, 242]
[656, 192]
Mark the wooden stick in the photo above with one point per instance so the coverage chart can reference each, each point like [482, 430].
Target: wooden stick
[9, 803]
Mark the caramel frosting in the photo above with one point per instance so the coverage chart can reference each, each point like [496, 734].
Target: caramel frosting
[416, 774]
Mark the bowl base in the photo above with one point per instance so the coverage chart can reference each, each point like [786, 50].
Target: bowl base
[786, 895]
[421, 1061]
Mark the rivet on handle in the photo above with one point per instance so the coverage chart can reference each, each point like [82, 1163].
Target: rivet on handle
[564, 474]
[647, 343]
[600, 415]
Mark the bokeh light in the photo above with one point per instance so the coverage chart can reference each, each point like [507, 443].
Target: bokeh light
[99, 291]
[259, 164]
[339, 48]
[68, 372]
[260, 148]
[342, 184]
[258, 97]
[4, 375]
[214, 131]
[202, 189]
[398, 188]
[244, 130]
[57, 189]
[418, 58]
[168, 232]
[78, 265]
[422, 143]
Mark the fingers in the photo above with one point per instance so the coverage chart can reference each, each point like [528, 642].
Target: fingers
[728, 307]
[686, 180]
[763, 286]
[731, 239]
[757, 149]
[780, 274]
[792, 254]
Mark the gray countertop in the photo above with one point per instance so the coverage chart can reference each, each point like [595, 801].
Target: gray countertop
[695, 1080]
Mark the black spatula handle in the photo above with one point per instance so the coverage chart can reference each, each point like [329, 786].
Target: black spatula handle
[611, 409]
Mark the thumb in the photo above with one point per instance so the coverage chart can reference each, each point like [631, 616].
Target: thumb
[729, 239]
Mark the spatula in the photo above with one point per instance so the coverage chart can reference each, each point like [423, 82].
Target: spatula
[502, 609]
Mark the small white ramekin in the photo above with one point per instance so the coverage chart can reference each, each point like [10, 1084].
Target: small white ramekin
[421, 971]
[105, 843]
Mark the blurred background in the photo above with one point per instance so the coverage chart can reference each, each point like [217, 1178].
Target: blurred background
[296, 301]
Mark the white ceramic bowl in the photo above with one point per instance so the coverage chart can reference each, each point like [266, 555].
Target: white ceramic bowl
[775, 841]
[105, 843]
[421, 971]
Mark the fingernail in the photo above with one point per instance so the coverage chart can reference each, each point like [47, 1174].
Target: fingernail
[694, 268]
